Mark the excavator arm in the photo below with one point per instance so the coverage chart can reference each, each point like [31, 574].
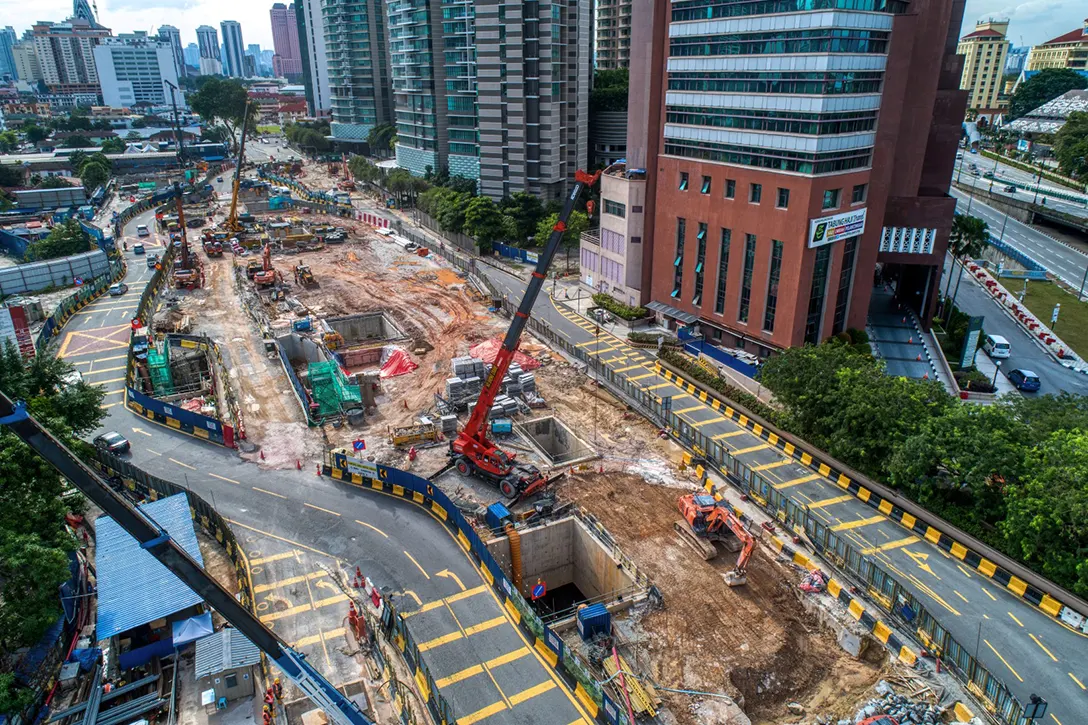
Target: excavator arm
[722, 516]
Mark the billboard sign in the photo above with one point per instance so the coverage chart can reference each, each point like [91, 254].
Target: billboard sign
[830, 229]
[366, 469]
[1023, 145]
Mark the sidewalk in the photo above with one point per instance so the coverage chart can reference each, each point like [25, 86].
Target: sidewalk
[986, 366]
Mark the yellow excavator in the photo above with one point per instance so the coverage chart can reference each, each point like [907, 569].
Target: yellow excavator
[231, 224]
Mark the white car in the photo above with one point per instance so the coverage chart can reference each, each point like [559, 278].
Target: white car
[142, 230]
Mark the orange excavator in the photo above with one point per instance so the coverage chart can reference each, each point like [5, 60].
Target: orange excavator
[267, 275]
[708, 522]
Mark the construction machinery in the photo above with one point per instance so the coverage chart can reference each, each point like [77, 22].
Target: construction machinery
[411, 435]
[303, 275]
[187, 272]
[471, 452]
[267, 274]
[707, 523]
[159, 543]
[213, 242]
[231, 223]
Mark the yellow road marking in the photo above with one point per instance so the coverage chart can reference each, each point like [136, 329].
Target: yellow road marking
[482, 713]
[847, 525]
[154, 453]
[630, 367]
[641, 377]
[448, 600]
[1014, 618]
[118, 392]
[110, 405]
[303, 608]
[532, 692]
[701, 423]
[273, 557]
[288, 581]
[1056, 719]
[439, 641]
[752, 449]
[795, 481]
[991, 596]
[375, 528]
[722, 436]
[891, 544]
[506, 658]
[963, 597]
[688, 410]
[963, 571]
[413, 560]
[270, 493]
[1043, 648]
[769, 466]
[101, 359]
[830, 501]
[105, 370]
[483, 626]
[183, 465]
[1003, 660]
[315, 638]
[456, 677]
[658, 386]
[1079, 683]
[105, 382]
[310, 505]
[223, 478]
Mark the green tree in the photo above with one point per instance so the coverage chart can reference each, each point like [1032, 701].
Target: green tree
[362, 170]
[77, 142]
[222, 101]
[483, 222]
[65, 239]
[133, 136]
[113, 145]
[12, 175]
[94, 171]
[9, 141]
[609, 91]
[14, 698]
[968, 239]
[577, 223]
[1048, 414]
[54, 182]
[450, 211]
[1071, 145]
[960, 463]
[1046, 85]
[214, 134]
[1046, 524]
[525, 210]
[380, 137]
[35, 133]
[33, 540]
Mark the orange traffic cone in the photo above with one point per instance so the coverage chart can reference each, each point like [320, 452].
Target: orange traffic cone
[919, 358]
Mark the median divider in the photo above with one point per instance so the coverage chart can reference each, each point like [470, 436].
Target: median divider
[546, 644]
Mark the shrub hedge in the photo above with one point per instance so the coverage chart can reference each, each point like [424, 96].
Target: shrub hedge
[617, 308]
[693, 370]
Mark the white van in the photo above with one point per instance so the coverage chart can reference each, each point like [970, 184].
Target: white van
[997, 346]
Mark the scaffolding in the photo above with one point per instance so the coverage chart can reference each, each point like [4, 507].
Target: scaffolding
[331, 390]
[158, 364]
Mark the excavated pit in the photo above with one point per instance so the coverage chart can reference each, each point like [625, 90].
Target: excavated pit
[555, 442]
[575, 566]
[363, 336]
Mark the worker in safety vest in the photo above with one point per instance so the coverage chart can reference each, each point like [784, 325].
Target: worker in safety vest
[277, 690]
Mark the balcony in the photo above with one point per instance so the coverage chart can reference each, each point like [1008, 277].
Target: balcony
[591, 236]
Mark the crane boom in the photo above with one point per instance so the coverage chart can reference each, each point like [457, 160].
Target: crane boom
[232, 219]
[471, 451]
[475, 427]
[163, 547]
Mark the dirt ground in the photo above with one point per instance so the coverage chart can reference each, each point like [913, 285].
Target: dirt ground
[756, 643]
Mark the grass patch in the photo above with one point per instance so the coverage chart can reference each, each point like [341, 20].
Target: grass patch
[1072, 321]
[271, 128]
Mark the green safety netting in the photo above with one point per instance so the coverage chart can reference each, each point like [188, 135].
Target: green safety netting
[158, 364]
[331, 390]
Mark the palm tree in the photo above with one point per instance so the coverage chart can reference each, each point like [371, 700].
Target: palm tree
[968, 238]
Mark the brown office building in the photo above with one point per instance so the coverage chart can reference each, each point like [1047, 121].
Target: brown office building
[785, 154]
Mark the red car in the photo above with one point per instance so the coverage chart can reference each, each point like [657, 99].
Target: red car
[880, 720]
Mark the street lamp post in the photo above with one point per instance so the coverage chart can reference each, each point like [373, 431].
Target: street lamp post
[997, 369]
[993, 177]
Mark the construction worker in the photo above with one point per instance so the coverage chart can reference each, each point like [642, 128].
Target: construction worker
[268, 697]
[277, 690]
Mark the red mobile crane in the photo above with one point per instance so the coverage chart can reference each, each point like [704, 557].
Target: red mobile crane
[472, 451]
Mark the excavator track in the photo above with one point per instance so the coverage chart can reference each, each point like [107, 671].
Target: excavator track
[701, 546]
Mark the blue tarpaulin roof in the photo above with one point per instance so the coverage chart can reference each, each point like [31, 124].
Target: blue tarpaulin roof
[192, 629]
[133, 587]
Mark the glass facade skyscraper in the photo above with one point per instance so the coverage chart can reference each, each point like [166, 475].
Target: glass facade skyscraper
[358, 65]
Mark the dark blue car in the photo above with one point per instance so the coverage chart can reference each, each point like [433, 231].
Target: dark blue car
[1024, 380]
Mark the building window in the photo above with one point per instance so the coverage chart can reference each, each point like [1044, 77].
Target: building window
[230, 680]
[723, 271]
[846, 276]
[730, 188]
[683, 181]
[816, 295]
[859, 193]
[700, 259]
[636, 240]
[705, 189]
[755, 193]
[783, 199]
[678, 263]
[615, 208]
[746, 277]
[831, 198]
[772, 285]
[636, 209]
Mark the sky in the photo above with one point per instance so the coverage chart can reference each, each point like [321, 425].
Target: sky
[1031, 21]
[125, 16]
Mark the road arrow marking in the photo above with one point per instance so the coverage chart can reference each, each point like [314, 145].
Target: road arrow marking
[450, 575]
[920, 560]
[327, 585]
[141, 431]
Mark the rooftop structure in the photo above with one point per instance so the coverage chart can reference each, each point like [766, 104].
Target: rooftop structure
[1052, 115]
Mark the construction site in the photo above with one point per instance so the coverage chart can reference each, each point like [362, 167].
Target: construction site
[334, 333]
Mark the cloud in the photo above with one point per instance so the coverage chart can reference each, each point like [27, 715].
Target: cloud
[1035, 21]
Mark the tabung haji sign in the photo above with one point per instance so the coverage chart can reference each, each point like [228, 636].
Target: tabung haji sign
[366, 469]
[830, 229]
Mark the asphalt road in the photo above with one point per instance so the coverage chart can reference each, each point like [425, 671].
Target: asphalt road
[1007, 174]
[1058, 259]
[1055, 378]
[1030, 651]
[293, 522]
